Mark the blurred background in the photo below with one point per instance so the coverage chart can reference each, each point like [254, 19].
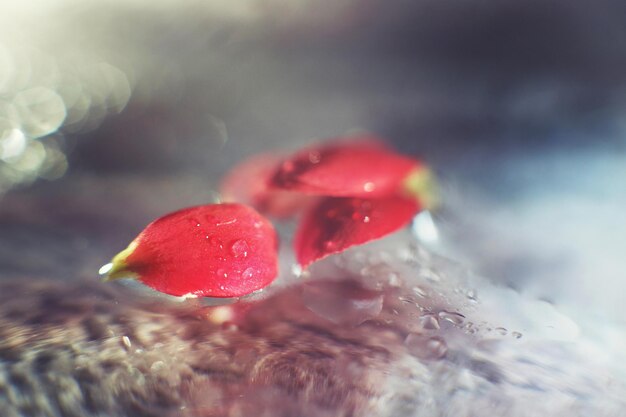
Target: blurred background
[114, 112]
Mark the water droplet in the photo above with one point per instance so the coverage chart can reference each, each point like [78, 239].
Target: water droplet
[379, 276]
[408, 300]
[393, 279]
[501, 331]
[194, 222]
[330, 245]
[248, 273]
[424, 347]
[454, 318]
[225, 222]
[430, 275]
[471, 295]
[429, 322]
[239, 248]
[315, 157]
[368, 187]
[222, 273]
[420, 292]
[516, 335]
[470, 328]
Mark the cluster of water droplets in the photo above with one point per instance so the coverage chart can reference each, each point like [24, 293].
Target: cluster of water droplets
[238, 248]
[428, 296]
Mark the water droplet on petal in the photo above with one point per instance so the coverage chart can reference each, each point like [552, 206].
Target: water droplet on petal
[239, 248]
[315, 157]
[194, 222]
[330, 245]
[248, 273]
[226, 222]
[368, 187]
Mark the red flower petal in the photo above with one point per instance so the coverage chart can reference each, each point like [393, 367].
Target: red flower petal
[351, 169]
[248, 183]
[220, 250]
[336, 224]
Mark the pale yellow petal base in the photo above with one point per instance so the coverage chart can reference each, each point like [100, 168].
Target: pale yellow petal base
[118, 265]
[422, 185]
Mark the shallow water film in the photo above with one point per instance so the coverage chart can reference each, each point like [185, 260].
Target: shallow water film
[506, 300]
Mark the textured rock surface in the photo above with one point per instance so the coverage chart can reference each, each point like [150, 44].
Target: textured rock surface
[86, 350]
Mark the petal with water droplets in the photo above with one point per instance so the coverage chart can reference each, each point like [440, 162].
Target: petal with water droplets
[219, 250]
[349, 169]
[336, 224]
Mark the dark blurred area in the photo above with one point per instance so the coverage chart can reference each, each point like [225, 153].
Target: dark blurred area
[132, 98]
[437, 78]
[143, 107]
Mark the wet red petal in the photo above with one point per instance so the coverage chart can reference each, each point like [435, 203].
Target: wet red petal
[350, 169]
[248, 183]
[336, 224]
[220, 250]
